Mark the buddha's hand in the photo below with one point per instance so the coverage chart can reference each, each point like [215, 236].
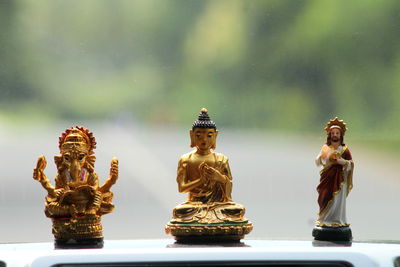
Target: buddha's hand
[213, 174]
[203, 178]
[38, 172]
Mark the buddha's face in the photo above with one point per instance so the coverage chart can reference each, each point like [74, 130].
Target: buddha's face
[203, 138]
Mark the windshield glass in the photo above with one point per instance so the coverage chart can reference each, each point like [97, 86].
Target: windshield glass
[137, 73]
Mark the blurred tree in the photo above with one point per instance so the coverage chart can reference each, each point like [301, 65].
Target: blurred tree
[13, 84]
[273, 64]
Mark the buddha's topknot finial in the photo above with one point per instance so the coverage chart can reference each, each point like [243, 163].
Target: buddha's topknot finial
[204, 121]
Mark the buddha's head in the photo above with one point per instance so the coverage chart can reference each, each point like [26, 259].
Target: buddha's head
[203, 134]
[76, 147]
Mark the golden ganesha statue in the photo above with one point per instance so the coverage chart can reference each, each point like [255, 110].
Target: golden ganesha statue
[209, 214]
[77, 201]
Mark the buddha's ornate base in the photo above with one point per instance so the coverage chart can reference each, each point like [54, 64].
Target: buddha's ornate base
[324, 233]
[85, 231]
[219, 232]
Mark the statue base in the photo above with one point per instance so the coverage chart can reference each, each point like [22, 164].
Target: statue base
[324, 233]
[84, 232]
[208, 233]
[80, 243]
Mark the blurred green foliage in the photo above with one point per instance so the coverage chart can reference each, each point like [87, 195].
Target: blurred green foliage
[269, 64]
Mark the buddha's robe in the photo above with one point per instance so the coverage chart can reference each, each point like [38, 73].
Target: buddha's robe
[208, 202]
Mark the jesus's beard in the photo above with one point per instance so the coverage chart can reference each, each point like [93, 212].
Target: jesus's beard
[335, 139]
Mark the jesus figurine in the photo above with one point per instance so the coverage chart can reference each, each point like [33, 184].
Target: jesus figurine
[335, 185]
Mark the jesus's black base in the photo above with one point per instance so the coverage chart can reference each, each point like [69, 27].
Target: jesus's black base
[81, 243]
[332, 233]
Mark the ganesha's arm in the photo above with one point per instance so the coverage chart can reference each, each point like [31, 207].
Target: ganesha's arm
[112, 178]
[93, 180]
[38, 174]
[56, 209]
[48, 186]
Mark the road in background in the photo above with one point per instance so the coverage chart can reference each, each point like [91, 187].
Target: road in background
[274, 178]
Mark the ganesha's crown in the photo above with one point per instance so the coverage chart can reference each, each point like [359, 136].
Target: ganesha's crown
[77, 137]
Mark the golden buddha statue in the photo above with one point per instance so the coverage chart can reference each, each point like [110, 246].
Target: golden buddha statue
[209, 214]
[77, 201]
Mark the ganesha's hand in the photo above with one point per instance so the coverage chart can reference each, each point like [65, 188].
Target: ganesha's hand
[38, 172]
[93, 209]
[59, 192]
[73, 211]
[113, 176]
[114, 170]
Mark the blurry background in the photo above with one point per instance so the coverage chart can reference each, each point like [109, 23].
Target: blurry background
[137, 73]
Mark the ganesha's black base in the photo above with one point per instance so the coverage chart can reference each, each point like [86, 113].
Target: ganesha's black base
[81, 243]
[332, 233]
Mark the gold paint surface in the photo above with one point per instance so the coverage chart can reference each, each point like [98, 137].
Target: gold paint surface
[206, 177]
[189, 230]
[76, 202]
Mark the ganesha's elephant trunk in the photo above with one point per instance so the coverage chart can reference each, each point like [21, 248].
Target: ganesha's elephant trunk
[75, 170]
